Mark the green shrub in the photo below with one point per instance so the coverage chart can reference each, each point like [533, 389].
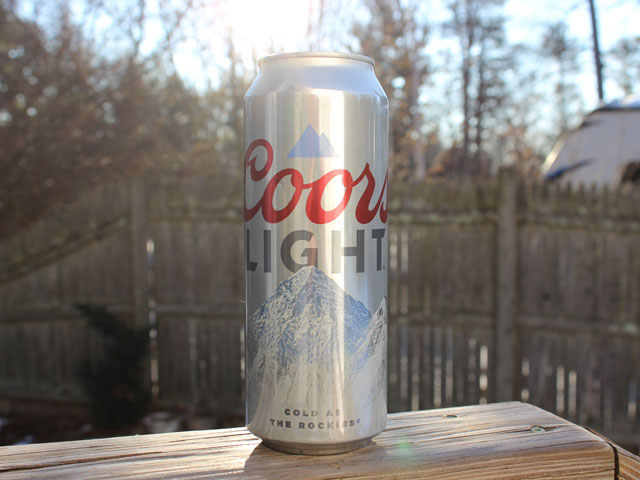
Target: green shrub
[117, 389]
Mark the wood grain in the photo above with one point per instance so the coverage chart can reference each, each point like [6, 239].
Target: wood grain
[629, 465]
[496, 441]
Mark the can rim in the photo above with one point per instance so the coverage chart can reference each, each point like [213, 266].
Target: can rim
[348, 56]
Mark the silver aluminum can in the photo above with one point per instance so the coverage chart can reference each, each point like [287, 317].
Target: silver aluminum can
[316, 133]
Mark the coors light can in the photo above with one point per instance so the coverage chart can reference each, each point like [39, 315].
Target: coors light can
[316, 127]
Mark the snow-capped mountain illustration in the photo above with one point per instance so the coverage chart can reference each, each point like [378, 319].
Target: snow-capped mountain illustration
[376, 334]
[313, 345]
[302, 321]
[371, 359]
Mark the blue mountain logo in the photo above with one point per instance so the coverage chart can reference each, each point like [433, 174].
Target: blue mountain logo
[312, 145]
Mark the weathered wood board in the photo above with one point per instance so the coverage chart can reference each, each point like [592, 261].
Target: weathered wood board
[497, 441]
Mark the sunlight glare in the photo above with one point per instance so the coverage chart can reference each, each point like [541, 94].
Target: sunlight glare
[261, 27]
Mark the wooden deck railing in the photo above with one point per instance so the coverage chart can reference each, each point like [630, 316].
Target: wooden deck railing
[497, 441]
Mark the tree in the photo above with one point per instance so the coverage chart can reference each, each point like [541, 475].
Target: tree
[559, 47]
[596, 50]
[396, 37]
[518, 141]
[71, 118]
[625, 64]
[57, 115]
[478, 25]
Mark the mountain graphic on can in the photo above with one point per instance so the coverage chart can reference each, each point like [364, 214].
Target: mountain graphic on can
[312, 145]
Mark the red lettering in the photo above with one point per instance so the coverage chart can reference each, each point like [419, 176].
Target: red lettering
[256, 174]
[269, 212]
[363, 214]
[315, 212]
[384, 209]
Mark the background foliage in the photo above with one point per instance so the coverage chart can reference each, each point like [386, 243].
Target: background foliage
[90, 91]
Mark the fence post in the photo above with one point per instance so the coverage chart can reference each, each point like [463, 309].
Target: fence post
[506, 291]
[138, 253]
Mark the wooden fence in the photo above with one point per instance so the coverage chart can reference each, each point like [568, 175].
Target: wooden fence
[499, 290]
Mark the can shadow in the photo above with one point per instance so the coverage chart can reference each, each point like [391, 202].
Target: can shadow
[260, 463]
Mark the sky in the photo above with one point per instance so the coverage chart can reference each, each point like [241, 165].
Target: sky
[257, 28]
[262, 27]
[616, 18]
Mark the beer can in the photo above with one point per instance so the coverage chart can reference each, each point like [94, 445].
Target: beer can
[316, 247]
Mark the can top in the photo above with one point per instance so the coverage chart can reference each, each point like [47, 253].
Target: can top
[347, 56]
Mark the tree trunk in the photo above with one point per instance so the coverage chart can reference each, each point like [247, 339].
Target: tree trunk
[596, 50]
